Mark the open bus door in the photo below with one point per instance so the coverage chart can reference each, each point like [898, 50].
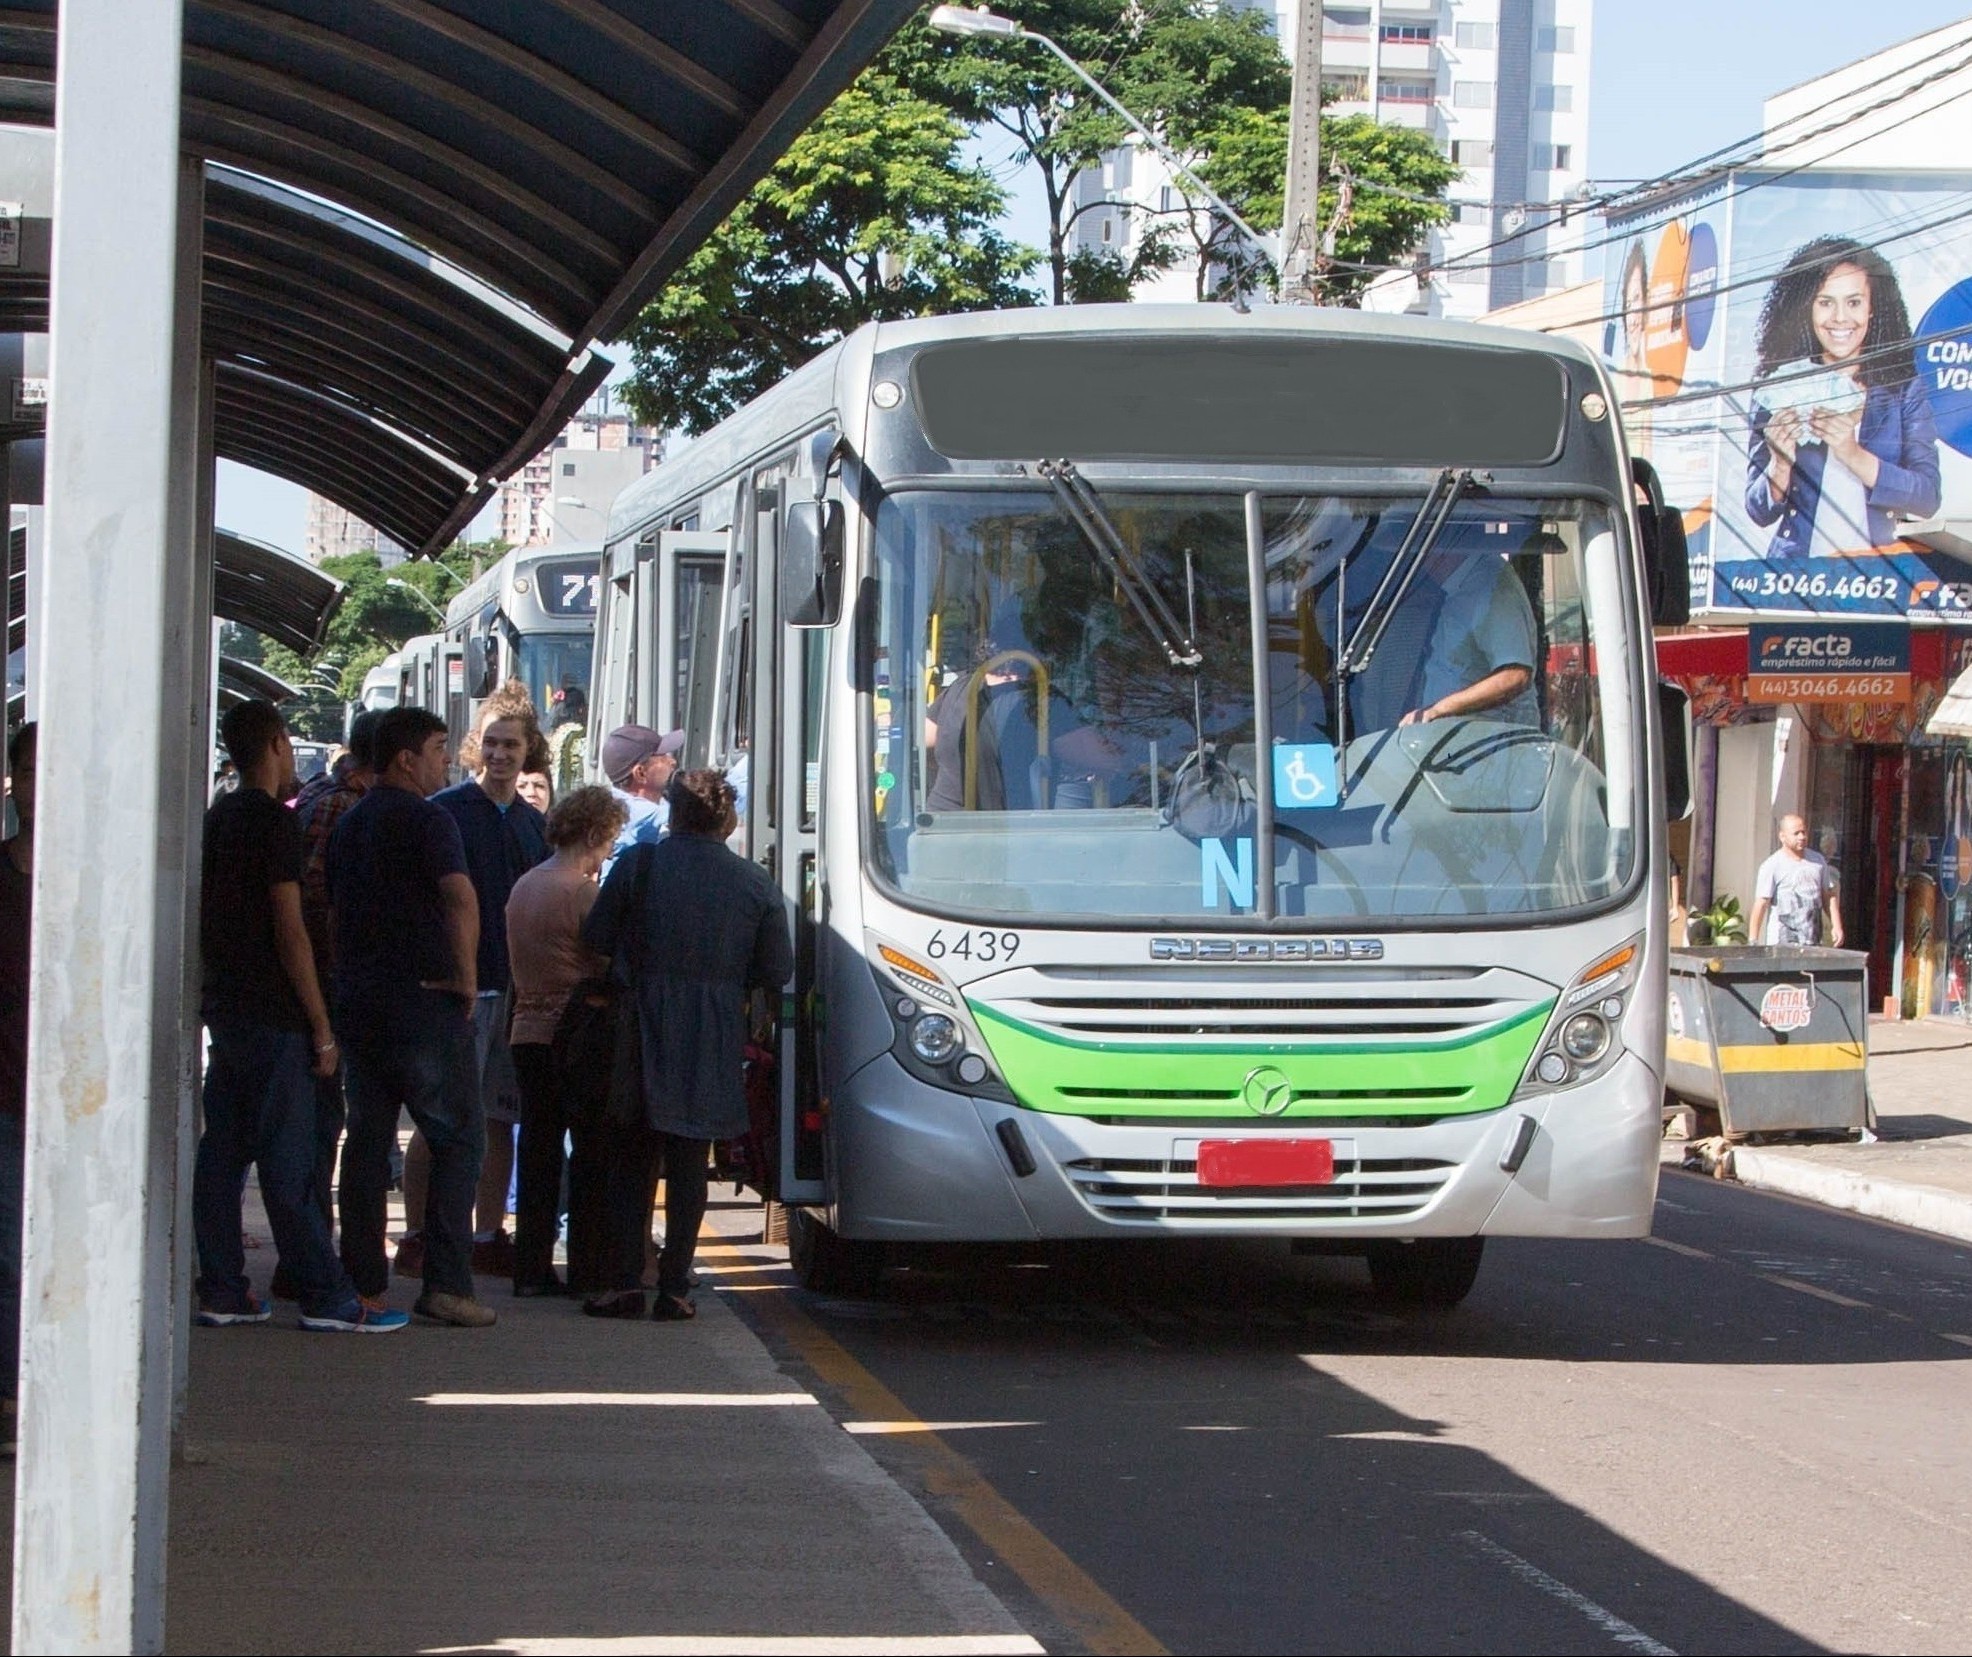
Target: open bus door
[688, 573]
[770, 723]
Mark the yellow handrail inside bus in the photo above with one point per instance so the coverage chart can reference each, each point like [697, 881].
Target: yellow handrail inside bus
[974, 691]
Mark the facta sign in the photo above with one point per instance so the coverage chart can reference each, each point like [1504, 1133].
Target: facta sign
[1860, 662]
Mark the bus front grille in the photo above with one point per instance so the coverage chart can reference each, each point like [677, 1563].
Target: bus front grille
[1142, 1191]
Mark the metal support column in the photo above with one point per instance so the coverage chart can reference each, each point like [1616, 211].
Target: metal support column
[99, 1313]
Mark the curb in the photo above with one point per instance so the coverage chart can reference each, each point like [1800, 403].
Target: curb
[1921, 1207]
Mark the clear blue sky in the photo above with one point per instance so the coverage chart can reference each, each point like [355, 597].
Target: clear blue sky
[1670, 80]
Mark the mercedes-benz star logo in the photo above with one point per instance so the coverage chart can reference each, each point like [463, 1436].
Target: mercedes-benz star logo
[1267, 1092]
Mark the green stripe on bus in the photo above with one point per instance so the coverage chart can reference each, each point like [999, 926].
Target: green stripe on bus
[1465, 1075]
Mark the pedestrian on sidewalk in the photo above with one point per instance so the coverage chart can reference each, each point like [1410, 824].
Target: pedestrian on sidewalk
[544, 944]
[16, 917]
[407, 981]
[317, 809]
[700, 929]
[501, 843]
[1795, 900]
[640, 764]
[268, 1028]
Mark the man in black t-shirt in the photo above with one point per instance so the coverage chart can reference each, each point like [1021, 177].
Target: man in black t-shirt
[406, 923]
[268, 1031]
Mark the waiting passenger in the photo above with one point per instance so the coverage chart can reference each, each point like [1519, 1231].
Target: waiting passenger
[407, 981]
[16, 917]
[544, 944]
[640, 764]
[263, 1009]
[537, 788]
[698, 930]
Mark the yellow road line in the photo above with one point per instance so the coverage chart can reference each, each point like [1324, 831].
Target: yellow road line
[1819, 1293]
[1685, 1249]
[1068, 1591]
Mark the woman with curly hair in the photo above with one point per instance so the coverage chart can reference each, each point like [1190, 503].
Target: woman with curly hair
[1843, 441]
[544, 943]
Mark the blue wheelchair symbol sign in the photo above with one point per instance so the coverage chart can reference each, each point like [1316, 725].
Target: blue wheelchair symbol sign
[1304, 776]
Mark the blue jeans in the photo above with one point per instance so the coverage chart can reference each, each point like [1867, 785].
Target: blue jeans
[413, 1052]
[260, 1110]
[13, 1202]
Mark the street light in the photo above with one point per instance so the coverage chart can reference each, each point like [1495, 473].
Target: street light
[419, 594]
[959, 20]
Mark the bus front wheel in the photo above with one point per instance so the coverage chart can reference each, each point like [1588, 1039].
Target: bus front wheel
[1426, 1271]
[828, 1263]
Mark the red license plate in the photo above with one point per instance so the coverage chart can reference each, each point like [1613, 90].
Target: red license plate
[1266, 1162]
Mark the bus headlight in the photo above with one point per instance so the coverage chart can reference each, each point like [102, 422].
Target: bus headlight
[935, 1038]
[1580, 1041]
[936, 1041]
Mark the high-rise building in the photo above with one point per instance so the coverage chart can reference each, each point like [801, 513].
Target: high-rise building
[1502, 88]
[564, 493]
[334, 531]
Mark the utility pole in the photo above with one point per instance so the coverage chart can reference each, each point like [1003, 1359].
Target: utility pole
[1300, 236]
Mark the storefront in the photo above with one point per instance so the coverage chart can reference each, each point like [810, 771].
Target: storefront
[1887, 800]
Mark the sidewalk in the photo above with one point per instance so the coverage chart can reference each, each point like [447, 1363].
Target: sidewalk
[1919, 1171]
[554, 1484]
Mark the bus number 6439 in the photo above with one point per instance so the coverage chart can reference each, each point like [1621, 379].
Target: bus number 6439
[975, 945]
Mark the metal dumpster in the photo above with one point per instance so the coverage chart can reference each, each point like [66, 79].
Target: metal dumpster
[1772, 1037]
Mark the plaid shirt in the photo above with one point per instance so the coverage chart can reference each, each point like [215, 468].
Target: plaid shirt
[320, 806]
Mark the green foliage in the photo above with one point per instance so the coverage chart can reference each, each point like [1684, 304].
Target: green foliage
[1245, 160]
[376, 616]
[870, 216]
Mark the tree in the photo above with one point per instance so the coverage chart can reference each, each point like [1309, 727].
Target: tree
[870, 216]
[1181, 66]
[1247, 164]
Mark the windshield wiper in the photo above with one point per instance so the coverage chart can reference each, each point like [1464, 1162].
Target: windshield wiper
[1419, 539]
[1106, 541]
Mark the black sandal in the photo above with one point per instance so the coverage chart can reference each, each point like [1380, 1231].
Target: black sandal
[670, 1308]
[625, 1303]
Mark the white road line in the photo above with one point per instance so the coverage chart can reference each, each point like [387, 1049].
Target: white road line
[1946, 1335]
[1816, 1290]
[1685, 1249]
[759, 1645]
[1624, 1634]
[616, 1400]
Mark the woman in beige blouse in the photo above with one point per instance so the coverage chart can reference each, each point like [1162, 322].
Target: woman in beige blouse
[544, 943]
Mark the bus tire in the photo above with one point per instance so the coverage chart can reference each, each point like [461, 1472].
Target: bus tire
[830, 1264]
[1426, 1271]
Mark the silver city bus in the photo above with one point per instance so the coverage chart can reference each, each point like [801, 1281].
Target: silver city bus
[1215, 765]
[531, 617]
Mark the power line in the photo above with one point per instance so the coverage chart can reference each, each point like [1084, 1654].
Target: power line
[1861, 236]
[1814, 371]
[1465, 260]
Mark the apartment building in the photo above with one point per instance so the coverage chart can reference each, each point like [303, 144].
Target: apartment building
[1500, 85]
[333, 531]
[563, 494]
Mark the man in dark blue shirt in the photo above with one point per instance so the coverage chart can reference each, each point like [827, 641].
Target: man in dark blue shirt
[269, 1029]
[406, 923]
[503, 837]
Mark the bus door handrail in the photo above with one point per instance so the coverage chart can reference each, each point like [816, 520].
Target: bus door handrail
[975, 690]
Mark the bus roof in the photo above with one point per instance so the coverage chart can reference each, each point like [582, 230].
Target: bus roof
[809, 394]
[491, 584]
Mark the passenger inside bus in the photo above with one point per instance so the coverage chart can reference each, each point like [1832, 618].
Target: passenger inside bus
[1032, 751]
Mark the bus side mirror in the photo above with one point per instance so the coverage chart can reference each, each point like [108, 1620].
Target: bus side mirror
[1666, 553]
[811, 563]
[1674, 716]
[482, 666]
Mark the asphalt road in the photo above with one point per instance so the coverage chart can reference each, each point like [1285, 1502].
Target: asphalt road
[1748, 1434]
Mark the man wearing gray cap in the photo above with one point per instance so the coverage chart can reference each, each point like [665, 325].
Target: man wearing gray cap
[640, 764]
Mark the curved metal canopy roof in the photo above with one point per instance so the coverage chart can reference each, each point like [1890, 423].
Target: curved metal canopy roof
[479, 190]
[275, 593]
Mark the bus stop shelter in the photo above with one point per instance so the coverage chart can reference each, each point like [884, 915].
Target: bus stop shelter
[369, 248]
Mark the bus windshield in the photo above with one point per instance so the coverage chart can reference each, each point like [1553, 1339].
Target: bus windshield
[555, 669]
[1034, 750]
